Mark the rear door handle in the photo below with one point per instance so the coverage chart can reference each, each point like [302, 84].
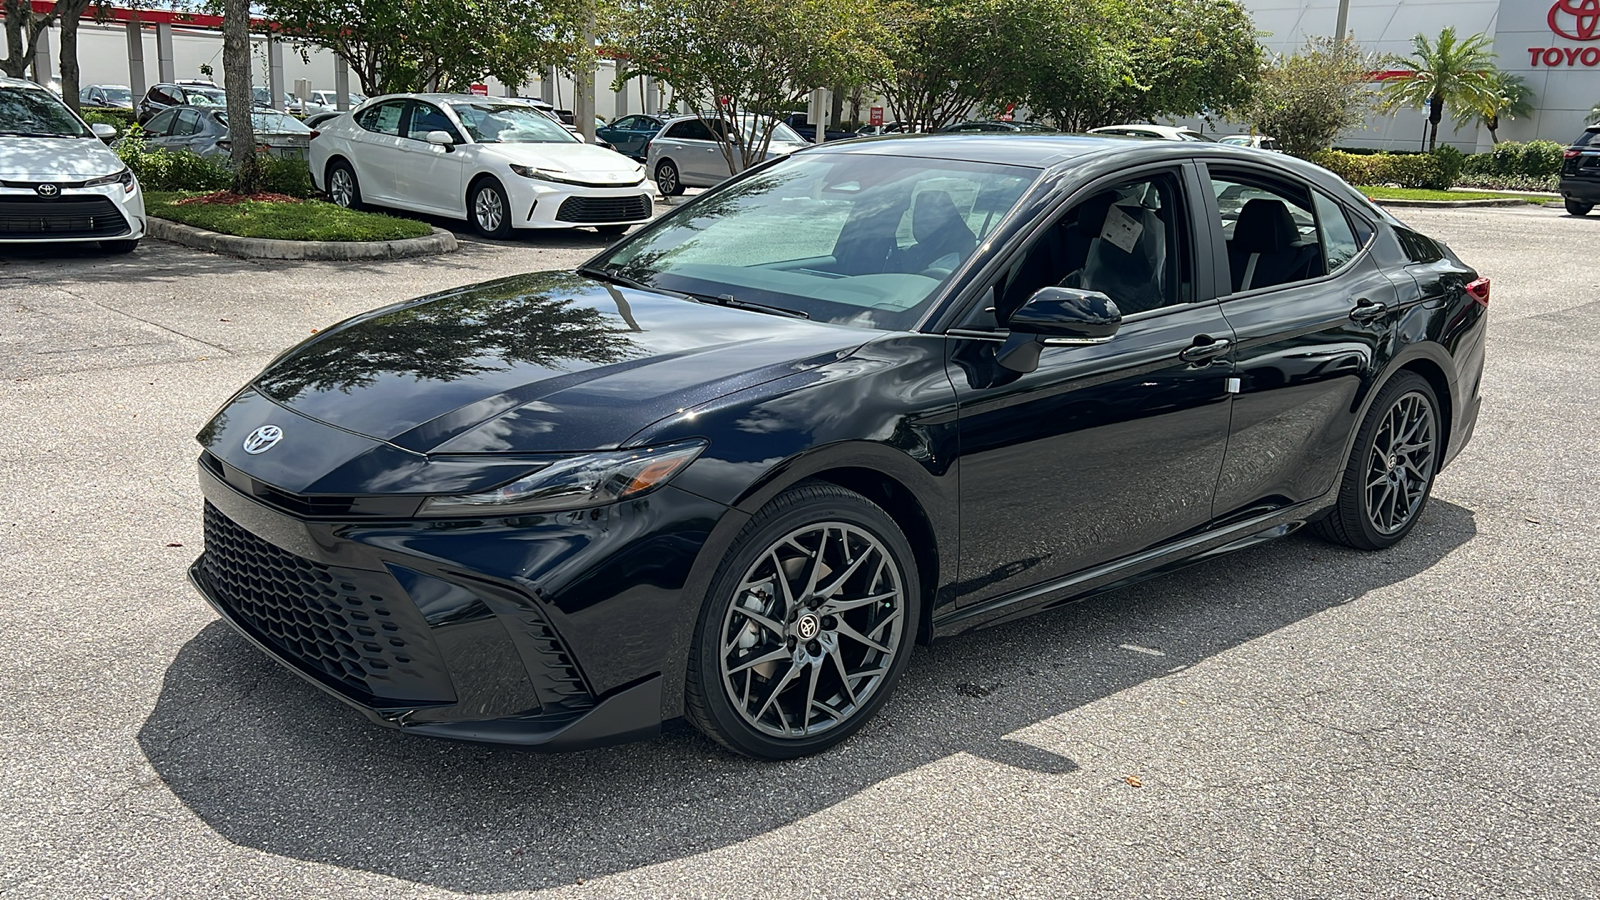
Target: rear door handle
[1366, 310]
[1205, 348]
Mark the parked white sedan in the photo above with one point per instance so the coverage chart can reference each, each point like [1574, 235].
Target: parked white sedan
[58, 180]
[499, 164]
[687, 152]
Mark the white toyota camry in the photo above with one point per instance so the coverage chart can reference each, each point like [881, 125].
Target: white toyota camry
[497, 163]
[58, 181]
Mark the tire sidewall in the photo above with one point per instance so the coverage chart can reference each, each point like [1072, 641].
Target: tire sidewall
[771, 524]
[355, 186]
[677, 178]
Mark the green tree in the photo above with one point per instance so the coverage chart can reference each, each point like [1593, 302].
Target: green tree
[412, 45]
[736, 59]
[1507, 97]
[1594, 115]
[236, 82]
[23, 27]
[1448, 72]
[951, 56]
[1306, 98]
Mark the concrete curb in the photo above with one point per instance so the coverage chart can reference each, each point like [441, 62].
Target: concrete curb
[1451, 204]
[440, 241]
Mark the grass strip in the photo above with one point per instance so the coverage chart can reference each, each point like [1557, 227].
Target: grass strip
[1389, 193]
[305, 220]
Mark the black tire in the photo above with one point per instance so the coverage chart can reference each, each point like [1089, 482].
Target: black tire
[342, 187]
[483, 199]
[840, 623]
[120, 246]
[667, 178]
[1385, 470]
[1579, 209]
[611, 230]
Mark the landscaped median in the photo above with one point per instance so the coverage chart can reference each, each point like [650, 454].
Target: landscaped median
[276, 226]
[1393, 196]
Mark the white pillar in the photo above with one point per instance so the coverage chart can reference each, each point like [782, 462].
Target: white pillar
[42, 70]
[165, 69]
[275, 71]
[341, 84]
[547, 86]
[621, 106]
[511, 90]
[652, 96]
[818, 114]
[136, 82]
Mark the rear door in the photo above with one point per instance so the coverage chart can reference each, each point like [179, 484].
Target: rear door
[1310, 308]
[376, 152]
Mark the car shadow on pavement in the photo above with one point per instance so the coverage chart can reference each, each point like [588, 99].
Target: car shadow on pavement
[271, 763]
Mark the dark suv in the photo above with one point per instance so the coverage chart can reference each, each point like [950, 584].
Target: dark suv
[1580, 172]
[165, 96]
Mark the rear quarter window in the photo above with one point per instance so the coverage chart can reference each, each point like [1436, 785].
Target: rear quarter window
[1591, 136]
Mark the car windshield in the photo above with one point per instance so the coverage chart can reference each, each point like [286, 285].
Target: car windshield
[844, 238]
[121, 94]
[271, 123]
[35, 112]
[509, 123]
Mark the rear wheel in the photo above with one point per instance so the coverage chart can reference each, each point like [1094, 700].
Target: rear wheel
[120, 246]
[489, 209]
[1391, 470]
[343, 189]
[807, 627]
[667, 179]
[1579, 209]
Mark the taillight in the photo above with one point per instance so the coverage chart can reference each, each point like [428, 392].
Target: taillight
[1570, 153]
[314, 135]
[1479, 290]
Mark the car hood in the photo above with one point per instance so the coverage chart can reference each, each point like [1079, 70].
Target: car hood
[587, 162]
[56, 159]
[537, 363]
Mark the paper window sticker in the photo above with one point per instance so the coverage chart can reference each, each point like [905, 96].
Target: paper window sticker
[1121, 229]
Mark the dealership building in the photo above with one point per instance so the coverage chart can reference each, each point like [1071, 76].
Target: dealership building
[1554, 45]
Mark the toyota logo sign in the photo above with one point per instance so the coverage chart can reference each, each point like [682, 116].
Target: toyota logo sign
[262, 439]
[47, 190]
[1576, 20]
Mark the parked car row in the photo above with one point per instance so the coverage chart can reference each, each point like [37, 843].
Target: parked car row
[204, 131]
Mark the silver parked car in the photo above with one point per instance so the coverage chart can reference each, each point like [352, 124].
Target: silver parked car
[689, 151]
[204, 131]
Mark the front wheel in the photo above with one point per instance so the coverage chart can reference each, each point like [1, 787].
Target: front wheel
[807, 627]
[1391, 470]
[667, 179]
[1579, 209]
[489, 209]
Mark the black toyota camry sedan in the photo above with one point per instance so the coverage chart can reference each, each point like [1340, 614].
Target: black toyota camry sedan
[875, 393]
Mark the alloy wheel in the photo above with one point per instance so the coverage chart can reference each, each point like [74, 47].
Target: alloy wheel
[1401, 466]
[341, 188]
[667, 179]
[489, 209]
[813, 630]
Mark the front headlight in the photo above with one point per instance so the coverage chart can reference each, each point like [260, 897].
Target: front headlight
[124, 178]
[560, 176]
[575, 482]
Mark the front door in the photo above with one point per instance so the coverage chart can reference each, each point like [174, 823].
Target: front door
[1105, 450]
[430, 176]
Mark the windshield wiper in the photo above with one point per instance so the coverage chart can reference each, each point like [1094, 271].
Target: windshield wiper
[625, 281]
[733, 302]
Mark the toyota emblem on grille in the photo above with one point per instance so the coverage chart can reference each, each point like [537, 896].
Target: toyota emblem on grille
[47, 190]
[262, 439]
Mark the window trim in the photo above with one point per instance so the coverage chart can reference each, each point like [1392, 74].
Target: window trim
[456, 132]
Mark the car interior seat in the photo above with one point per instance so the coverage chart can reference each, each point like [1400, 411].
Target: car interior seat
[943, 238]
[1129, 264]
[1266, 248]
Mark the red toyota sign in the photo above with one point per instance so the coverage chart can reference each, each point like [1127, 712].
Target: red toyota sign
[875, 116]
[1574, 20]
[479, 90]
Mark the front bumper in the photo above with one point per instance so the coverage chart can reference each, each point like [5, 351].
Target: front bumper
[534, 632]
[74, 215]
[545, 204]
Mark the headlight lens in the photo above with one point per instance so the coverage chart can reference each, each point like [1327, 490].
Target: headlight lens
[575, 482]
[124, 178]
[560, 176]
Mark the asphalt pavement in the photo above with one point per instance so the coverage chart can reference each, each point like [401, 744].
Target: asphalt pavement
[1292, 720]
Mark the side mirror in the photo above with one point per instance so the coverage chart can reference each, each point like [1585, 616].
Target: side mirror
[1057, 315]
[103, 131]
[441, 139]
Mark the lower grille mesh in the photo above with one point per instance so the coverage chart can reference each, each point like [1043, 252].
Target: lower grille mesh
[62, 217]
[604, 209]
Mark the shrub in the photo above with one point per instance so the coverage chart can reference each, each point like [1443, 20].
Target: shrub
[120, 119]
[180, 170]
[1545, 183]
[1353, 168]
[1448, 162]
[1540, 158]
[286, 176]
[1407, 171]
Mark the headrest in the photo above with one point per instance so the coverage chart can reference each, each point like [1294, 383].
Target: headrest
[932, 213]
[1264, 226]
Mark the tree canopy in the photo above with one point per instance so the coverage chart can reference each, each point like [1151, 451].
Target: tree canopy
[1451, 71]
[1306, 98]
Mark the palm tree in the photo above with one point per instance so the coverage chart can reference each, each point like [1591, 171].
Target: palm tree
[1594, 115]
[1450, 71]
[1506, 98]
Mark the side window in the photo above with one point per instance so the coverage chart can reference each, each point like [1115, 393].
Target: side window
[161, 124]
[692, 130]
[1339, 244]
[382, 119]
[1129, 240]
[426, 117]
[188, 123]
[1419, 249]
[626, 123]
[1271, 233]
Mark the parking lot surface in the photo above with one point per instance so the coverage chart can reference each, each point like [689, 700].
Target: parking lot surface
[1292, 720]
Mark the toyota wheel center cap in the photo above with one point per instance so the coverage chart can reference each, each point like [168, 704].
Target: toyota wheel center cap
[808, 627]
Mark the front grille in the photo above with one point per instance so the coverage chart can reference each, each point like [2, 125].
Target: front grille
[335, 623]
[60, 217]
[591, 210]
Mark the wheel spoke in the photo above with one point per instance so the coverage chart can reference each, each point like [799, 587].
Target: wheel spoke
[846, 631]
[834, 607]
[780, 653]
[811, 698]
[844, 674]
[761, 620]
[772, 697]
[849, 570]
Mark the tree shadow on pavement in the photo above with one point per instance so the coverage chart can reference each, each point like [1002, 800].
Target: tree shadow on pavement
[272, 764]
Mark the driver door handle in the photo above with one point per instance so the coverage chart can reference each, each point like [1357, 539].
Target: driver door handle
[1205, 348]
[1366, 310]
